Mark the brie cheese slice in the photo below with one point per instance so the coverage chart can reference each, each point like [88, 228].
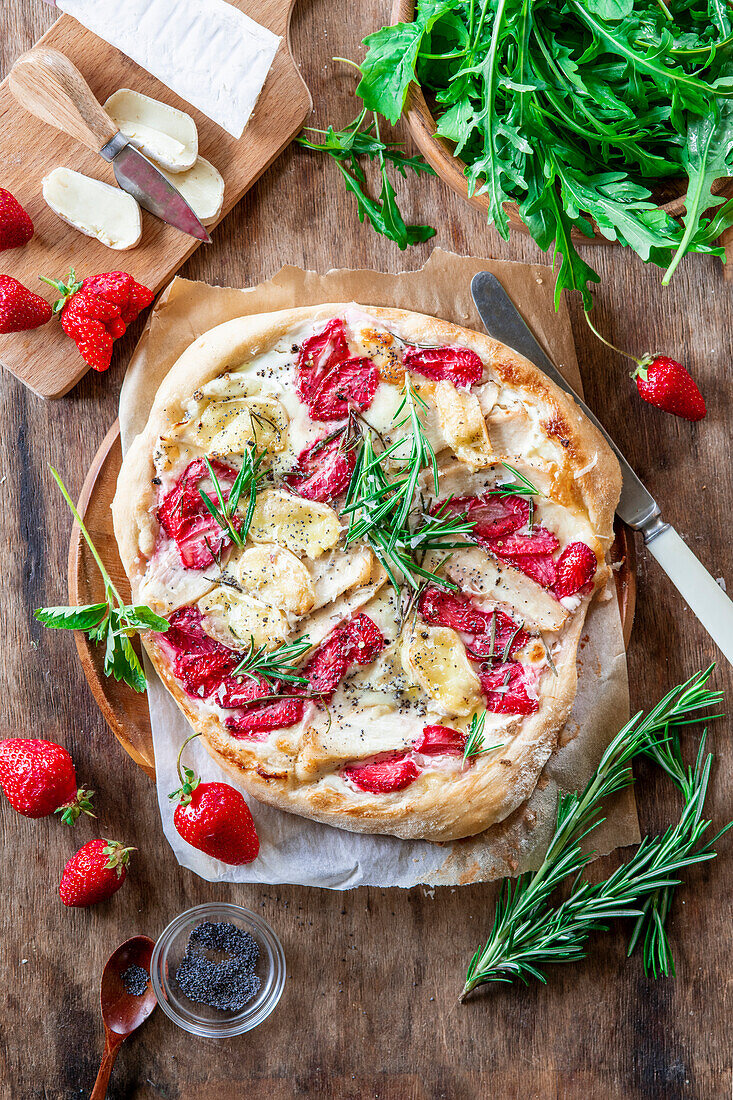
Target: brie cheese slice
[166, 135]
[202, 187]
[94, 208]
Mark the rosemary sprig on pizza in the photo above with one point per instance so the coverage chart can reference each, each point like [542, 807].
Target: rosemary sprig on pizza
[374, 537]
[110, 623]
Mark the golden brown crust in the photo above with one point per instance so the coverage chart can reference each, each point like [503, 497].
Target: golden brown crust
[438, 806]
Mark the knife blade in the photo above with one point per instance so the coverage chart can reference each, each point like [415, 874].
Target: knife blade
[46, 83]
[636, 507]
[141, 179]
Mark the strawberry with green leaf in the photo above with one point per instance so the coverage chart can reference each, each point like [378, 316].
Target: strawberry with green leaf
[111, 622]
[38, 779]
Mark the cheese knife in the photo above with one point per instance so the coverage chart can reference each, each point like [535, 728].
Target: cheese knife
[46, 83]
[636, 507]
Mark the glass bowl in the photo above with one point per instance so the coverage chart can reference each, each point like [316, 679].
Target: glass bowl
[200, 1019]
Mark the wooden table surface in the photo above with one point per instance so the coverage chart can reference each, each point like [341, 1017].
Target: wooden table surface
[370, 1006]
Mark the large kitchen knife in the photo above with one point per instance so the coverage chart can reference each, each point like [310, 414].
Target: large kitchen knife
[637, 506]
[46, 83]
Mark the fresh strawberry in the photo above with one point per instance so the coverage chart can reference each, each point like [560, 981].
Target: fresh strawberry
[458, 365]
[214, 818]
[576, 568]
[440, 741]
[16, 227]
[38, 779]
[324, 470]
[666, 384]
[20, 308]
[393, 773]
[185, 518]
[94, 873]
[507, 689]
[97, 311]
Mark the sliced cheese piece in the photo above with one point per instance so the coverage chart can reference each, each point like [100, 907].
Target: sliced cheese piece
[94, 208]
[202, 187]
[236, 619]
[303, 526]
[275, 576]
[478, 574]
[339, 571]
[168, 585]
[165, 134]
[226, 427]
[323, 622]
[463, 425]
[434, 657]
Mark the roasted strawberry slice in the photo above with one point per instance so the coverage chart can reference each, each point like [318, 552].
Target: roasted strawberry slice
[329, 664]
[538, 567]
[366, 638]
[349, 385]
[184, 517]
[441, 741]
[493, 516]
[455, 610]
[238, 691]
[356, 642]
[576, 568]
[186, 635]
[324, 470]
[441, 608]
[199, 662]
[268, 716]
[452, 363]
[506, 688]
[318, 354]
[393, 773]
[538, 542]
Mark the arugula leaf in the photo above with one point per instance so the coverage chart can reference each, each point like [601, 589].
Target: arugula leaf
[346, 147]
[389, 67]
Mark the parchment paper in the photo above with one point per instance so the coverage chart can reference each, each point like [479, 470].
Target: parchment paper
[293, 849]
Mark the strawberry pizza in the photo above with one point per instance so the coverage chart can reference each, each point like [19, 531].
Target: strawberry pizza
[375, 537]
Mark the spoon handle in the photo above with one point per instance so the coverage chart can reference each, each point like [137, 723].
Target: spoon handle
[111, 1048]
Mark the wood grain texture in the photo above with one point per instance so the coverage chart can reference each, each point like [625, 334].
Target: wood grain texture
[45, 359]
[125, 711]
[370, 1008]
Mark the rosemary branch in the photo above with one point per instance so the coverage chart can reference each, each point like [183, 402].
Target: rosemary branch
[528, 931]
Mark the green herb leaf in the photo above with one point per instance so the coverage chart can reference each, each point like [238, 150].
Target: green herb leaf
[274, 664]
[83, 617]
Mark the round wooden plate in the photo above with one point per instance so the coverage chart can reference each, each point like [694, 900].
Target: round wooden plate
[439, 153]
[125, 711]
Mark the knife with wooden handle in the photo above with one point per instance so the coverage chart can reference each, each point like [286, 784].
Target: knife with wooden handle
[46, 83]
[637, 507]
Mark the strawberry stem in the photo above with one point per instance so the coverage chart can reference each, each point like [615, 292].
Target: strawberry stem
[626, 354]
[81, 804]
[118, 854]
[66, 289]
[187, 777]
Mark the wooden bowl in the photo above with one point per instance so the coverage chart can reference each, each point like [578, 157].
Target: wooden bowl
[670, 194]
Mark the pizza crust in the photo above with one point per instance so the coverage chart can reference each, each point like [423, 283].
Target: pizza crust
[290, 769]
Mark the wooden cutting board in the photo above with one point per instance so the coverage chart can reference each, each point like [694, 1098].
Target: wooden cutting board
[45, 359]
[125, 711]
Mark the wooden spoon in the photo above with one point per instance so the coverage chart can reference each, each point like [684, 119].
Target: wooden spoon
[122, 1012]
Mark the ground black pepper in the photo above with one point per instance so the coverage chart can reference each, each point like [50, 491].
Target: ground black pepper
[227, 983]
[135, 980]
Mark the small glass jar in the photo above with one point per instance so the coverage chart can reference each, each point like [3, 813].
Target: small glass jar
[200, 1019]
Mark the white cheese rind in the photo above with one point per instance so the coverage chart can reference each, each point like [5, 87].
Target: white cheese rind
[206, 51]
[96, 209]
